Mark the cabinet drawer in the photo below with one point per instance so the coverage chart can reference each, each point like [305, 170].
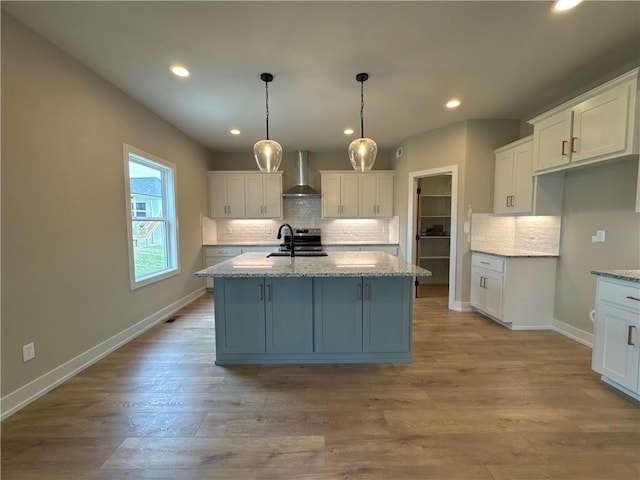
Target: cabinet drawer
[619, 294]
[222, 251]
[494, 264]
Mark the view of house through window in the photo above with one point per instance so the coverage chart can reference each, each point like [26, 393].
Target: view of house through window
[152, 218]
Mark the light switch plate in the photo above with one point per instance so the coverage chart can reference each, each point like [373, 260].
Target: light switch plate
[28, 352]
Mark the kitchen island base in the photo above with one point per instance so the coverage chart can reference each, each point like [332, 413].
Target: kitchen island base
[284, 320]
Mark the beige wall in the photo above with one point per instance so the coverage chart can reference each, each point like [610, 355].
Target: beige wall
[65, 279]
[469, 145]
[599, 197]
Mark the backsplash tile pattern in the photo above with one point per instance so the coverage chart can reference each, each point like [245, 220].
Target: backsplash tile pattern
[300, 213]
[540, 234]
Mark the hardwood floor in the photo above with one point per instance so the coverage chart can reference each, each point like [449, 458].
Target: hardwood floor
[479, 402]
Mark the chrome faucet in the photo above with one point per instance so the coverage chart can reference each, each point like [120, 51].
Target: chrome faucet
[292, 251]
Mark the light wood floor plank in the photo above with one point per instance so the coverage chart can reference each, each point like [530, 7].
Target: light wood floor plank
[479, 402]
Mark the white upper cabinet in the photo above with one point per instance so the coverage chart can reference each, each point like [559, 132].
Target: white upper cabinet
[375, 195]
[339, 195]
[263, 195]
[226, 195]
[245, 195]
[357, 195]
[513, 187]
[596, 126]
[552, 141]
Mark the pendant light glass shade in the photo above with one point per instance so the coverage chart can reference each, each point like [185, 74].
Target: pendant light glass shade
[362, 154]
[362, 151]
[268, 153]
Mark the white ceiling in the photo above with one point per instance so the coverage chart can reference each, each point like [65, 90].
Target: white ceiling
[503, 59]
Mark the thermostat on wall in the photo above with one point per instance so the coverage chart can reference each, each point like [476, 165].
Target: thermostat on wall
[399, 152]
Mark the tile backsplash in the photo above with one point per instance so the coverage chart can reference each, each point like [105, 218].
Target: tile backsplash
[539, 234]
[300, 213]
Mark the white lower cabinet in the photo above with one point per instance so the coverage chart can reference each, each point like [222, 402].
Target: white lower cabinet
[616, 349]
[518, 292]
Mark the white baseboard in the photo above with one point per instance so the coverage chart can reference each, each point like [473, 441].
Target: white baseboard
[573, 333]
[461, 307]
[20, 398]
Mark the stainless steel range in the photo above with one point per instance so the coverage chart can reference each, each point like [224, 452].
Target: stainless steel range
[304, 240]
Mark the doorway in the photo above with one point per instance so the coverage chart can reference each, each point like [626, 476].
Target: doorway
[431, 236]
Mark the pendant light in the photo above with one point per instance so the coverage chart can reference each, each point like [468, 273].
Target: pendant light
[268, 153]
[362, 151]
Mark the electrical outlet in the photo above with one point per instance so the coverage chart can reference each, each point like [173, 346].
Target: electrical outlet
[269, 230]
[28, 352]
[598, 237]
[229, 230]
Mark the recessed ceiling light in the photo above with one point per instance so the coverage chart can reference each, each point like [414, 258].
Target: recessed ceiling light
[179, 70]
[453, 103]
[562, 5]
[234, 131]
[348, 131]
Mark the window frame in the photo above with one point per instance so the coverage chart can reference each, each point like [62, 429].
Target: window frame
[169, 217]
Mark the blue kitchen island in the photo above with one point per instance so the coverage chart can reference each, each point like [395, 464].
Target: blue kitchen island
[346, 307]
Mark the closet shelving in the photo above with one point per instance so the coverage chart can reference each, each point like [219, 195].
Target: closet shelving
[434, 227]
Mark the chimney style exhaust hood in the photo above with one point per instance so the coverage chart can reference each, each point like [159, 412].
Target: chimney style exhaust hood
[302, 189]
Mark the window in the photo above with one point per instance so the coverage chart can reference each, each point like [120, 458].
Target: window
[151, 217]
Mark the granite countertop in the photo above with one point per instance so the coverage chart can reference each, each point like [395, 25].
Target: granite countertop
[335, 264]
[514, 252]
[630, 275]
[324, 244]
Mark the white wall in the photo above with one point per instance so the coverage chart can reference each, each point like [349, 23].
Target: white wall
[65, 283]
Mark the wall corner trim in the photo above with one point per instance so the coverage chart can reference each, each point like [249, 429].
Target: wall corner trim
[20, 398]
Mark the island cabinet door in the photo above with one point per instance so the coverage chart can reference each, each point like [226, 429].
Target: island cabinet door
[289, 309]
[338, 314]
[387, 314]
[240, 315]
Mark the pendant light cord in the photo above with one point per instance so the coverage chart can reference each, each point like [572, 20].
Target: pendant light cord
[266, 90]
[362, 109]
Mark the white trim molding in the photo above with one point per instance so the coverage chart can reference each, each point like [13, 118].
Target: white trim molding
[453, 249]
[573, 333]
[20, 398]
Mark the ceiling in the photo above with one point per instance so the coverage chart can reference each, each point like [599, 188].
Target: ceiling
[502, 59]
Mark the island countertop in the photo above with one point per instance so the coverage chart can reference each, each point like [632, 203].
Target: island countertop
[335, 264]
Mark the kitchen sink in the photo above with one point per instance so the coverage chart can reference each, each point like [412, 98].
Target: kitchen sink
[298, 254]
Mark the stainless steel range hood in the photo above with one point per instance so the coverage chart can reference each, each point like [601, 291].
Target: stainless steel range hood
[302, 189]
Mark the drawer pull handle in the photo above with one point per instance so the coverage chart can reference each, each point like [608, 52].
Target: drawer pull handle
[260, 293]
[633, 298]
[268, 292]
[485, 263]
[630, 335]
[574, 141]
[367, 291]
[564, 144]
[359, 293]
